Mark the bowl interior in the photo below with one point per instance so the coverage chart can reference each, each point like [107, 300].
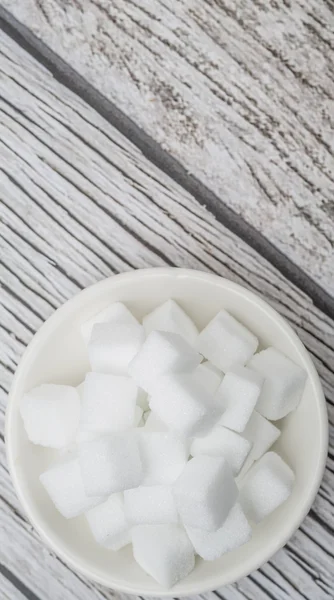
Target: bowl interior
[57, 355]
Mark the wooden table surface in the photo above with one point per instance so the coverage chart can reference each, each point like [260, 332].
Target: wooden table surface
[139, 133]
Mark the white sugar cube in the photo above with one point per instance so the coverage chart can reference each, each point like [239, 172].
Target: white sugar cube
[153, 423]
[266, 486]
[163, 457]
[183, 405]
[238, 395]
[80, 389]
[63, 483]
[160, 354]
[235, 532]
[143, 399]
[205, 492]
[81, 435]
[221, 441]
[138, 417]
[171, 317]
[85, 436]
[108, 524]
[116, 312]
[226, 342]
[150, 505]
[110, 464]
[51, 414]
[208, 376]
[283, 385]
[112, 346]
[164, 552]
[262, 435]
[108, 403]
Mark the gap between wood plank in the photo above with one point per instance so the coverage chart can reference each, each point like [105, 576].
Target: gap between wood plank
[18, 584]
[63, 73]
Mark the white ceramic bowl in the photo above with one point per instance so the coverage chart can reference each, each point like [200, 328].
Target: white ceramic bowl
[57, 355]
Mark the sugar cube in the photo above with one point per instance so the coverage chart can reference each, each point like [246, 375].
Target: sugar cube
[110, 464]
[262, 435]
[164, 552]
[235, 532]
[183, 405]
[51, 414]
[138, 417]
[171, 317]
[283, 385]
[208, 376]
[116, 312]
[108, 403]
[238, 395]
[160, 354]
[163, 457]
[85, 436]
[153, 423]
[63, 483]
[205, 492]
[226, 342]
[112, 346]
[142, 399]
[150, 505]
[108, 524]
[146, 414]
[80, 389]
[267, 484]
[221, 441]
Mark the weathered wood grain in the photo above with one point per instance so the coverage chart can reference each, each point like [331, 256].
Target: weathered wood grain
[78, 203]
[240, 93]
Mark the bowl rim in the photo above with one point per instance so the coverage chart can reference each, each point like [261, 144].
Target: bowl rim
[217, 580]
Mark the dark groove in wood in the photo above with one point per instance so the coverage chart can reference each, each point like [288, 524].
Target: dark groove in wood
[18, 584]
[25, 284]
[5, 392]
[272, 580]
[18, 298]
[7, 367]
[11, 333]
[316, 517]
[17, 317]
[262, 588]
[151, 150]
[243, 593]
[289, 581]
[301, 562]
[13, 509]
[315, 542]
[219, 595]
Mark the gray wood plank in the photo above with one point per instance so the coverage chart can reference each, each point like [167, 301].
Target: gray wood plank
[241, 96]
[80, 202]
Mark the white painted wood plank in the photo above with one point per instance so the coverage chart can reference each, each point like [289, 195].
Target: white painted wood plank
[80, 203]
[241, 94]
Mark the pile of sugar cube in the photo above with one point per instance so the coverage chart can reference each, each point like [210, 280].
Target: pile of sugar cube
[165, 444]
